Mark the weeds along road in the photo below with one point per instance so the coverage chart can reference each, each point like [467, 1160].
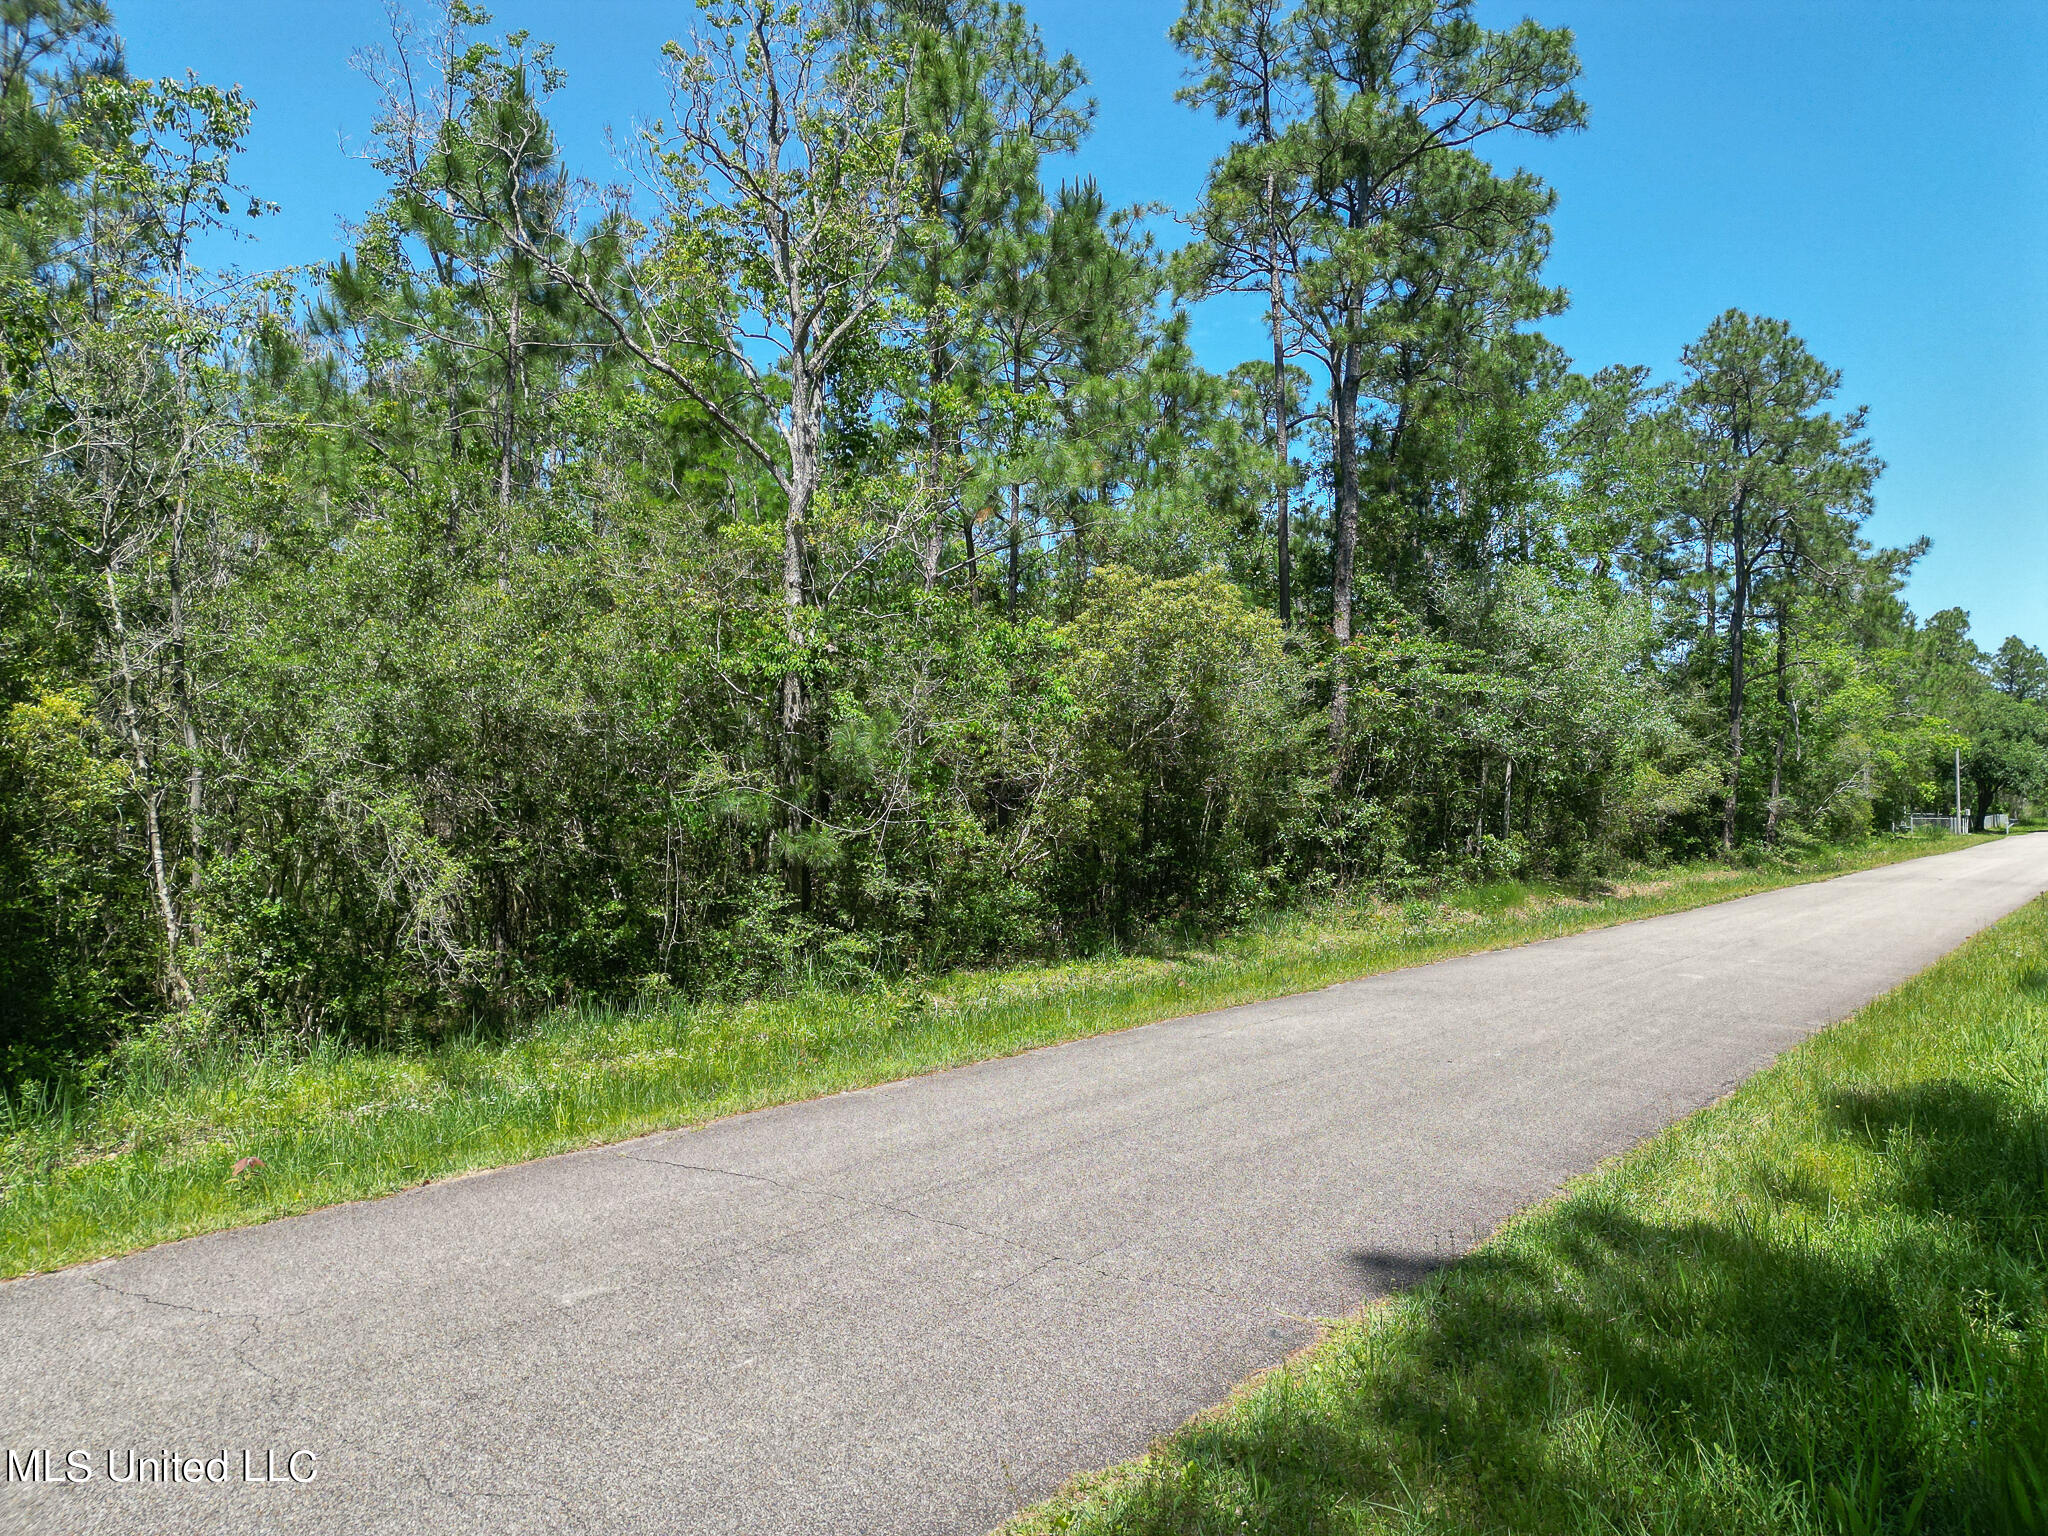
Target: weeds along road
[911, 1308]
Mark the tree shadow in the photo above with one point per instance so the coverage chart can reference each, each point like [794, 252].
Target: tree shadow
[1773, 1366]
[1962, 1152]
[1386, 1269]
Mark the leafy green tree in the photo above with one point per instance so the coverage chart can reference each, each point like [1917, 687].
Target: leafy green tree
[1999, 724]
[986, 103]
[139, 406]
[1073, 290]
[77, 958]
[787, 192]
[1618, 464]
[1239, 52]
[50, 51]
[458, 343]
[1186, 727]
[1776, 478]
[2019, 671]
[2007, 758]
[1410, 247]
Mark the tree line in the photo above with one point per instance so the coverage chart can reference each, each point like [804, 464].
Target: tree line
[818, 551]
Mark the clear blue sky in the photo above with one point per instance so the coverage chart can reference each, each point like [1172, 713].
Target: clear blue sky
[1874, 172]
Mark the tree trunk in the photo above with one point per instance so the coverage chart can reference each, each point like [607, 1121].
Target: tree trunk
[935, 442]
[795, 706]
[1713, 596]
[973, 566]
[1345, 550]
[151, 797]
[1784, 720]
[1738, 606]
[1016, 493]
[805, 469]
[1479, 819]
[451, 533]
[1016, 549]
[510, 426]
[188, 715]
[1284, 550]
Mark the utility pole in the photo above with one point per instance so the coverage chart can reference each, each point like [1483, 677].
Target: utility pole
[1959, 789]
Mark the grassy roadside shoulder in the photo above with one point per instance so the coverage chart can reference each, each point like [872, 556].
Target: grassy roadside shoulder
[154, 1155]
[1820, 1305]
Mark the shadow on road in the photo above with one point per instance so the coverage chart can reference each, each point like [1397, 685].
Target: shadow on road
[1794, 1361]
[1383, 1270]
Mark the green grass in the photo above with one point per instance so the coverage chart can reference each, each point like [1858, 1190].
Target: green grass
[151, 1155]
[1820, 1305]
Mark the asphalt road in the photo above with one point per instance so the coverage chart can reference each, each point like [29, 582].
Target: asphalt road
[912, 1308]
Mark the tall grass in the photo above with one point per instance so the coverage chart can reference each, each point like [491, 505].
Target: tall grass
[152, 1153]
[1818, 1306]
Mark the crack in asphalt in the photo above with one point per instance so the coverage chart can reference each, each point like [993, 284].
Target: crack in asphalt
[158, 1301]
[237, 1349]
[528, 1495]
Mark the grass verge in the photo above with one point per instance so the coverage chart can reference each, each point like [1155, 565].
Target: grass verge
[152, 1155]
[1820, 1305]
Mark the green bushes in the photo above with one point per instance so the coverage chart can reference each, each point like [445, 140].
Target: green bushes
[75, 950]
[1189, 741]
[494, 785]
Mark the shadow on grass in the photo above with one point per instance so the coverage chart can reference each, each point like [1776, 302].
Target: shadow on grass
[1882, 1369]
[1384, 1269]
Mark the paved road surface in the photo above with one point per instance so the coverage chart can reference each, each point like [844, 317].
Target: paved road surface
[911, 1308]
